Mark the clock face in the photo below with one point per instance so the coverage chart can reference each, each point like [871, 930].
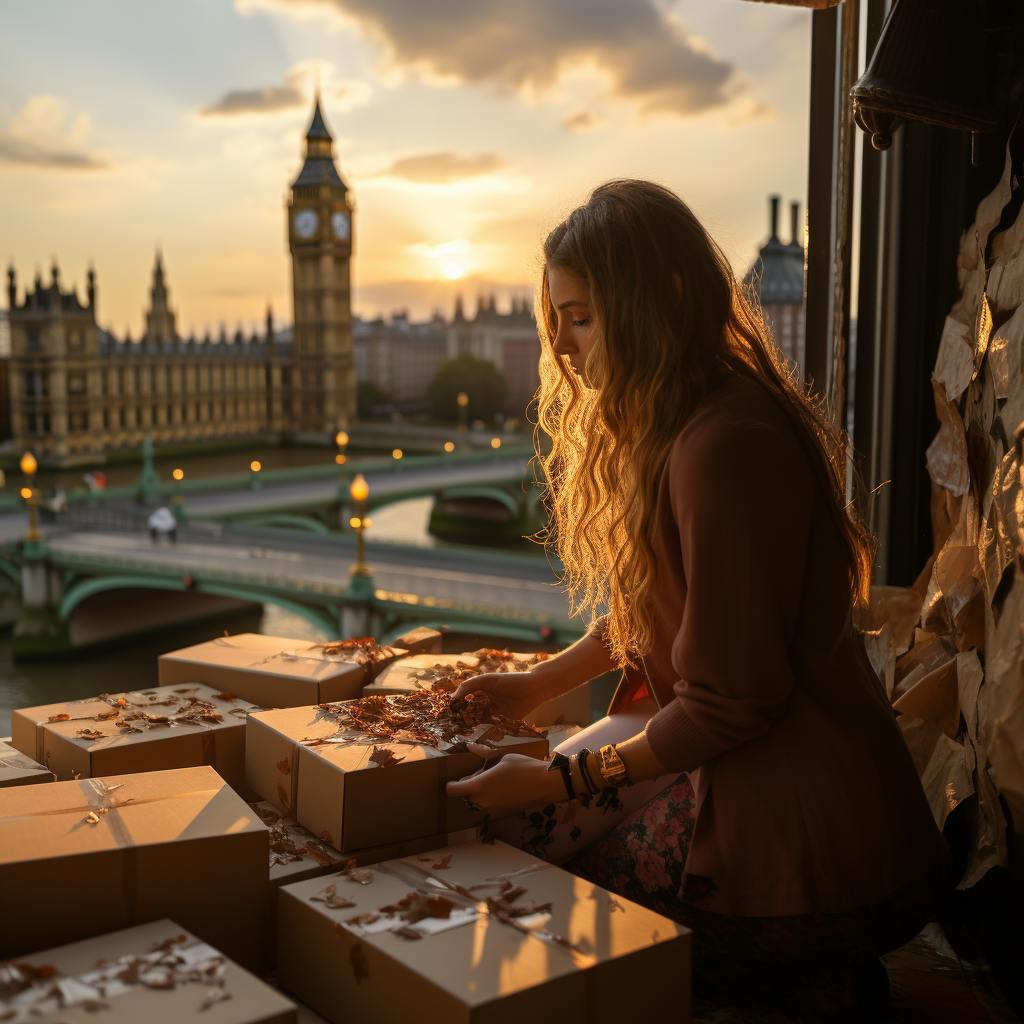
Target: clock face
[306, 223]
[341, 225]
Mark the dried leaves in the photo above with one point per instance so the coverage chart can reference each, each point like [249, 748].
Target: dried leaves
[42, 991]
[416, 906]
[364, 650]
[90, 734]
[430, 717]
[384, 757]
[332, 900]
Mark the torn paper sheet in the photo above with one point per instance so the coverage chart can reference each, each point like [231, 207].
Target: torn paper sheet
[935, 698]
[948, 779]
[955, 363]
[947, 454]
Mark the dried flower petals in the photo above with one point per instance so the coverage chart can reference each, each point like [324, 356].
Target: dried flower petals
[92, 818]
[417, 906]
[443, 862]
[59, 718]
[90, 734]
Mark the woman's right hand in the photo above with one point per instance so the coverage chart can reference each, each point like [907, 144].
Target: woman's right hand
[514, 694]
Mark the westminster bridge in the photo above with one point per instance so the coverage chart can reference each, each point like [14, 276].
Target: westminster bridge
[274, 538]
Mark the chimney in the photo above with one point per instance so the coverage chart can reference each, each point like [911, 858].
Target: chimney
[794, 225]
[773, 217]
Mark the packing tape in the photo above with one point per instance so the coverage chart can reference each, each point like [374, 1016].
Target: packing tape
[20, 761]
[190, 963]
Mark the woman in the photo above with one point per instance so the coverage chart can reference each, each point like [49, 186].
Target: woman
[697, 493]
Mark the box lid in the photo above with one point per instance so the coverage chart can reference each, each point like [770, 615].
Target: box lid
[188, 978]
[273, 656]
[118, 812]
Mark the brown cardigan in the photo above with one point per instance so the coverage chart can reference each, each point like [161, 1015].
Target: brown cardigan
[808, 801]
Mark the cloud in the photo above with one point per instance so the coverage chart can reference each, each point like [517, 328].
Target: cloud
[443, 167]
[643, 52]
[583, 121]
[262, 100]
[39, 135]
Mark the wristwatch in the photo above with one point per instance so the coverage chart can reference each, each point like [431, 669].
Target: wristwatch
[611, 766]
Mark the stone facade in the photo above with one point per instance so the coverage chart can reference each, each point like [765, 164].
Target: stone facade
[77, 391]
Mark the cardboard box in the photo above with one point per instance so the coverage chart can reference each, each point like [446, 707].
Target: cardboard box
[188, 980]
[422, 671]
[166, 727]
[296, 854]
[17, 769]
[272, 671]
[27, 723]
[336, 786]
[508, 938]
[82, 858]
[421, 640]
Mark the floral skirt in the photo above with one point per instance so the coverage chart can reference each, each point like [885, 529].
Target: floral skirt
[634, 842]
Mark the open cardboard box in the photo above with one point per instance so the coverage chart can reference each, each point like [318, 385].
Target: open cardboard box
[422, 671]
[166, 727]
[582, 956]
[334, 787]
[17, 769]
[190, 980]
[272, 671]
[81, 858]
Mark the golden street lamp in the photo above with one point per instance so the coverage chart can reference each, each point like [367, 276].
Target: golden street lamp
[341, 440]
[396, 453]
[29, 466]
[177, 475]
[449, 446]
[359, 521]
[255, 468]
[462, 400]
[495, 443]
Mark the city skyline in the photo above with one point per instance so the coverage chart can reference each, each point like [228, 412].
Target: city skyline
[458, 155]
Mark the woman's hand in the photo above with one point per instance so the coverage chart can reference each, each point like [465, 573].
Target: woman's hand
[514, 694]
[514, 783]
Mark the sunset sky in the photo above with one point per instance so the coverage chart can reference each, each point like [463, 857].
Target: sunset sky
[465, 129]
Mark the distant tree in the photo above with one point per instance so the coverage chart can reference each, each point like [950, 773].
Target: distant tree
[480, 379]
[370, 397]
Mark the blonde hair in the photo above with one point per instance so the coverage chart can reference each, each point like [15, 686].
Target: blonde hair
[670, 322]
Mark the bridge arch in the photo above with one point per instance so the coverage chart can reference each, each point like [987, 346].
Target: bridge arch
[287, 520]
[87, 588]
[481, 491]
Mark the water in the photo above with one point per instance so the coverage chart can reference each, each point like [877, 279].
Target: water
[130, 666]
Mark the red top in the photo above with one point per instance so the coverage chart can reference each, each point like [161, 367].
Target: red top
[808, 801]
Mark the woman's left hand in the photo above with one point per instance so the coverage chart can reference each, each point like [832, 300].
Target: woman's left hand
[514, 783]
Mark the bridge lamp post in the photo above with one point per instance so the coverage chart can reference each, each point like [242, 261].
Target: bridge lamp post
[255, 467]
[359, 521]
[495, 443]
[462, 399]
[397, 453]
[341, 440]
[28, 466]
[449, 446]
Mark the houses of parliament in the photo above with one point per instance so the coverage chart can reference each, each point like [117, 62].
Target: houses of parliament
[76, 391]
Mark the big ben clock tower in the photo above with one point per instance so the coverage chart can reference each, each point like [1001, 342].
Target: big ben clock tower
[323, 390]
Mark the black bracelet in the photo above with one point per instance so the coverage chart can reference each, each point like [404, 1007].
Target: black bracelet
[588, 781]
[560, 763]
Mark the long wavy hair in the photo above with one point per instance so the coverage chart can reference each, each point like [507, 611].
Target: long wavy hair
[659, 349]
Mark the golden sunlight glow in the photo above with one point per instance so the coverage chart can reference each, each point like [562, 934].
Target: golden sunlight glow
[178, 474]
[495, 442]
[26, 493]
[359, 489]
[450, 259]
[28, 464]
[255, 465]
[449, 446]
[396, 453]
